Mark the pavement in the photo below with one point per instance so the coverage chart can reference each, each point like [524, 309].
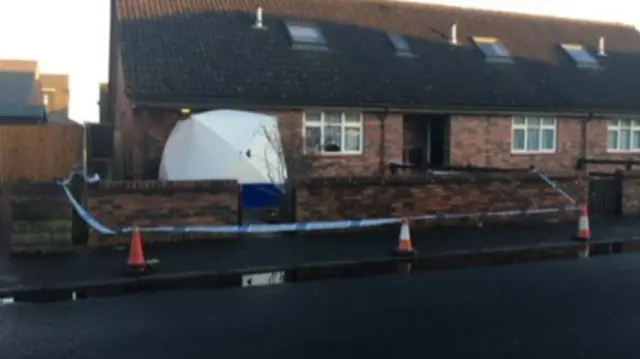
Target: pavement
[564, 309]
[255, 252]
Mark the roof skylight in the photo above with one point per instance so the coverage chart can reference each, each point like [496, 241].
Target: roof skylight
[493, 49]
[306, 35]
[580, 55]
[400, 44]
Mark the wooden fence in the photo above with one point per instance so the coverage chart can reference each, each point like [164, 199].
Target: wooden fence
[38, 153]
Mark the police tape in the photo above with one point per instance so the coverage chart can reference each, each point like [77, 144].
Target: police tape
[302, 226]
[554, 185]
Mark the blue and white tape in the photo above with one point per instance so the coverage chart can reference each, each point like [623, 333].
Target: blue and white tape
[307, 226]
[554, 185]
[301, 226]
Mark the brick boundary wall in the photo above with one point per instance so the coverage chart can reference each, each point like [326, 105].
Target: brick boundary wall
[34, 201]
[630, 193]
[355, 198]
[156, 203]
[118, 204]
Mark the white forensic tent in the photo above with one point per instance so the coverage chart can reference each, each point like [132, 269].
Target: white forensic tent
[225, 144]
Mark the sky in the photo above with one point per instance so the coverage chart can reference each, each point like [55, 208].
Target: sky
[72, 36]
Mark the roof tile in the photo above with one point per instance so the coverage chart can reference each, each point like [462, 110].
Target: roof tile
[207, 50]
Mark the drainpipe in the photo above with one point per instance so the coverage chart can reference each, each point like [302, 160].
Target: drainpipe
[149, 143]
[383, 138]
[585, 146]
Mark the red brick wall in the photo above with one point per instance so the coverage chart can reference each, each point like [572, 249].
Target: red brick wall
[486, 141]
[334, 199]
[124, 136]
[33, 201]
[378, 129]
[597, 145]
[154, 203]
[631, 194]
[146, 134]
[152, 129]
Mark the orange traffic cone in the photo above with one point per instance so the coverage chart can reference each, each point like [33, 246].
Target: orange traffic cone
[136, 264]
[584, 232]
[405, 247]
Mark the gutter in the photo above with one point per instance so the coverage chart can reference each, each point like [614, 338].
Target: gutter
[418, 109]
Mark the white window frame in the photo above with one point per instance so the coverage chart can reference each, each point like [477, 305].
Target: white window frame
[620, 125]
[580, 55]
[501, 53]
[45, 95]
[317, 39]
[400, 45]
[517, 126]
[343, 126]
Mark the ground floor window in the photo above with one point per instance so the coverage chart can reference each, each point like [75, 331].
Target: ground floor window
[623, 135]
[534, 134]
[333, 132]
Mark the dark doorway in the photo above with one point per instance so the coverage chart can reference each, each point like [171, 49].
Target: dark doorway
[426, 140]
[605, 195]
[437, 140]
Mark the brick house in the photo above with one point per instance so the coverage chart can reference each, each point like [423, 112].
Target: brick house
[55, 96]
[30, 97]
[20, 96]
[384, 81]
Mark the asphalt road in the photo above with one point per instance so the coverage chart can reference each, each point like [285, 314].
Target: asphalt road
[569, 309]
[258, 251]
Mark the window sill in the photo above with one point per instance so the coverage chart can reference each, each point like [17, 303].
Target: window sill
[334, 154]
[529, 153]
[624, 152]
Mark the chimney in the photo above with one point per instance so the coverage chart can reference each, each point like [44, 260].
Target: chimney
[454, 34]
[601, 50]
[259, 24]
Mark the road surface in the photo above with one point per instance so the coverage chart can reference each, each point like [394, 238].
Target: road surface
[567, 309]
[255, 252]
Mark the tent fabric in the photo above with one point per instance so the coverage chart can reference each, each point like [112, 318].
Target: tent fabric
[227, 145]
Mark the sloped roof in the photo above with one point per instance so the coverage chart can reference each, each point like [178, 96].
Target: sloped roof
[206, 51]
[7, 65]
[18, 95]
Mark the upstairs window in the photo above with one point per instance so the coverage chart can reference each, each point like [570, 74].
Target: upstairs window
[623, 136]
[534, 134]
[47, 94]
[493, 49]
[306, 35]
[329, 132]
[580, 55]
[400, 45]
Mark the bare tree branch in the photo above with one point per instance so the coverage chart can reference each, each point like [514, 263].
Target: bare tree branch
[292, 163]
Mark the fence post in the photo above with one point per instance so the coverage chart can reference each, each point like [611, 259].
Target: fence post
[240, 211]
[79, 228]
[6, 222]
[619, 177]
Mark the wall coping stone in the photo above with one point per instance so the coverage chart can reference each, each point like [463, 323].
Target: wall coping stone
[454, 179]
[162, 187]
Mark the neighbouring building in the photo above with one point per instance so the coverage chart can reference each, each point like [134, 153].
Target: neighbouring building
[100, 138]
[30, 97]
[55, 96]
[380, 81]
[103, 103]
[20, 95]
